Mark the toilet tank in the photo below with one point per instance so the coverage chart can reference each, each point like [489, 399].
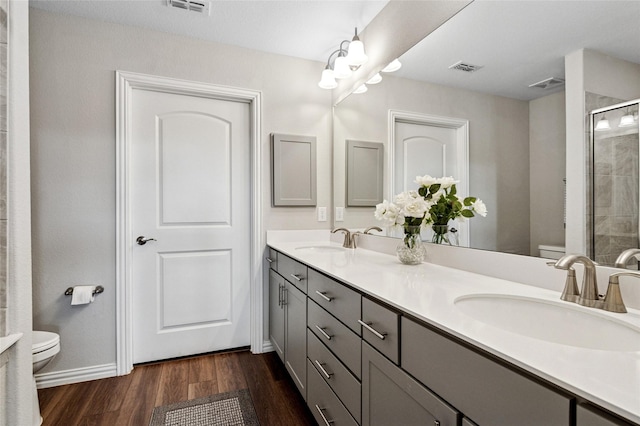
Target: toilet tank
[551, 252]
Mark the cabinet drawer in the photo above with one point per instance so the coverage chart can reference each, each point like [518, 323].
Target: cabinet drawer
[391, 397]
[272, 258]
[339, 300]
[324, 404]
[381, 329]
[293, 271]
[486, 391]
[341, 381]
[343, 342]
[587, 415]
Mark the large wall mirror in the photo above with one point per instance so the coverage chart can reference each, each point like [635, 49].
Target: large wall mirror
[516, 105]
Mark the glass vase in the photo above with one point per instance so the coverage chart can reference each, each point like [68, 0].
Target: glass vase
[411, 251]
[440, 234]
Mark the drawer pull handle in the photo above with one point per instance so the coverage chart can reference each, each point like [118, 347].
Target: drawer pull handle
[320, 366]
[270, 260]
[366, 325]
[284, 296]
[436, 423]
[324, 333]
[320, 410]
[297, 277]
[324, 295]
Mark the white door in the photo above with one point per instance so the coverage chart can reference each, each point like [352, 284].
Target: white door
[425, 149]
[190, 192]
[422, 150]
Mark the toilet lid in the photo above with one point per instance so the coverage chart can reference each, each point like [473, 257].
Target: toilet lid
[43, 340]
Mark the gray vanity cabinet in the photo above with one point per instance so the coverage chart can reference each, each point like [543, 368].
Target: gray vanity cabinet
[295, 341]
[587, 415]
[324, 404]
[381, 328]
[391, 397]
[276, 312]
[288, 315]
[484, 390]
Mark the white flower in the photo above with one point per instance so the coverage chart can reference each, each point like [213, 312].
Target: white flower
[446, 182]
[389, 214]
[479, 207]
[416, 208]
[404, 198]
[425, 180]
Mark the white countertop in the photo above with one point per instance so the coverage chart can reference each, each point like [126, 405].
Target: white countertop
[428, 291]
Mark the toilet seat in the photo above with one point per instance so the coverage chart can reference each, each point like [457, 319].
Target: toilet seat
[44, 341]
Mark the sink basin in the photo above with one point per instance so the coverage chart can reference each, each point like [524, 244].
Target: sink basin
[321, 248]
[556, 322]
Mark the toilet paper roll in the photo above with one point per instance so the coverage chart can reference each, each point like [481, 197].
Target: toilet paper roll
[83, 294]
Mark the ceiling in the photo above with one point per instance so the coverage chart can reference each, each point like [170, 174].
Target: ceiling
[301, 28]
[521, 42]
[518, 42]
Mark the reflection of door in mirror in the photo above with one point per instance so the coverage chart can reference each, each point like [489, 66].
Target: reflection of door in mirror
[429, 145]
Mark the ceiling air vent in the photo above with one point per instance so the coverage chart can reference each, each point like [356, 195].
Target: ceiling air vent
[462, 66]
[548, 83]
[191, 5]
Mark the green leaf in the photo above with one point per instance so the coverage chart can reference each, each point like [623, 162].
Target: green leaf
[434, 188]
[467, 213]
[453, 190]
[422, 191]
[469, 200]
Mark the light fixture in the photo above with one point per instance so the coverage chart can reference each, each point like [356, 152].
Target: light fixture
[341, 67]
[347, 59]
[363, 88]
[627, 120]
[394, 65]
[602, 124]
[375, 79]
[356, 55]
[328, 80]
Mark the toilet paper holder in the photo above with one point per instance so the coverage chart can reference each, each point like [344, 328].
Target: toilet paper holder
[99, 289]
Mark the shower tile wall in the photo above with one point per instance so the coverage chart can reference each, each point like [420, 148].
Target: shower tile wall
[616, 196]
[3, 168]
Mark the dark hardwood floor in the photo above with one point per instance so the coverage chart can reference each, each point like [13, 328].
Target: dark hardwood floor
[129, 400]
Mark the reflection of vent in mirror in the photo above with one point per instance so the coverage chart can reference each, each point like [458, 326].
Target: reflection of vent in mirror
[193, 6]
[548, 83]
[462, 66]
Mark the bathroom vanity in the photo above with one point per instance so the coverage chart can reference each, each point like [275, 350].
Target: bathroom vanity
[382, 343]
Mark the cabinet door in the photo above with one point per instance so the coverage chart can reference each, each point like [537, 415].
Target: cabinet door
[591, 416]
[276, 313]
[391, 397]
[486, 391]
[295, 352]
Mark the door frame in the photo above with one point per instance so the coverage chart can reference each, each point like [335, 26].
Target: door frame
[126, 83]
[461, 126]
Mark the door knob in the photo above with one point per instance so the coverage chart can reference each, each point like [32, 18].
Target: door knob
[141, 240]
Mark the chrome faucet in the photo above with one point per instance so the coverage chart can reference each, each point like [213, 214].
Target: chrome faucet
[348, 240]
[589, 292]
[626, 256]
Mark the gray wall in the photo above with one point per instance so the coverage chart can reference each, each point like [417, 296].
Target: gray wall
[498, 151]
[547, 134]
[73, 154]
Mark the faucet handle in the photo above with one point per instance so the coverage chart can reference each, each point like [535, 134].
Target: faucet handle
[613, 299]
[570, 292]
[375, 228]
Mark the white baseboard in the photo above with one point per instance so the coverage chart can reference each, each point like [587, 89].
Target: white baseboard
[267, 346]
[76, 375]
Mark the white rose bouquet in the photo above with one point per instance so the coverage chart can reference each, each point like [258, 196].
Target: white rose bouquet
[435, 203]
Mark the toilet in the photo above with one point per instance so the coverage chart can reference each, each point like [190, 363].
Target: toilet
[44, 348]
[551, 252]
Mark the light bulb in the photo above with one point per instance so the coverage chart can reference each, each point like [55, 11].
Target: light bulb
[626, 120]
[356, 55]
[603, 124]
[328, 81]
[394, 65]
[341, 68]
[363, 88]
[375, 79]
